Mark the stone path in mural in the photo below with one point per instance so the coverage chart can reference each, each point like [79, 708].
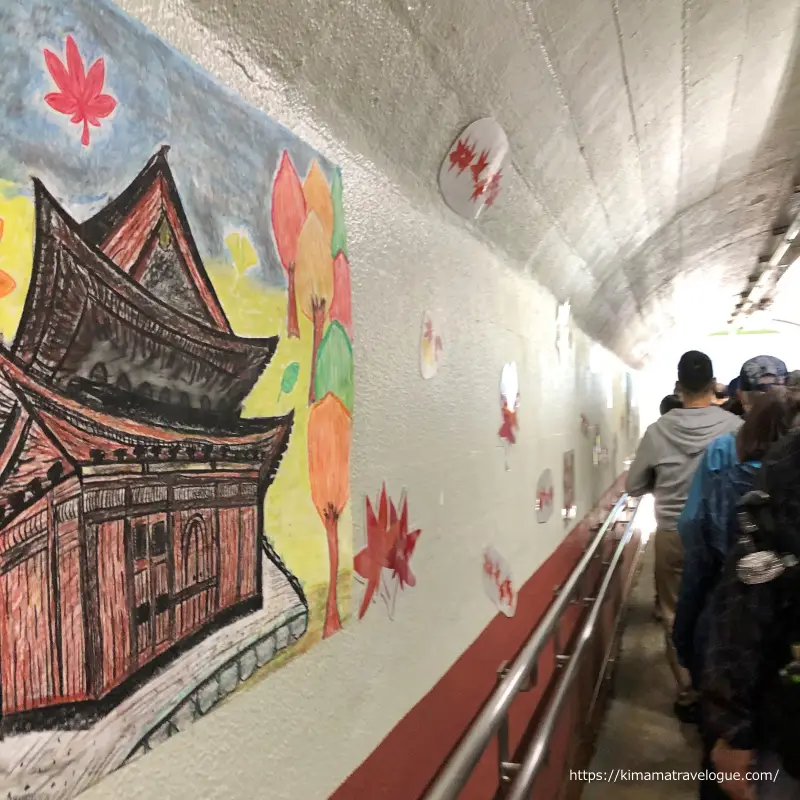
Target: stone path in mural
[59, 764]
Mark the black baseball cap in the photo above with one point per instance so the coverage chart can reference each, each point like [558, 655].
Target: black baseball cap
[695, 372]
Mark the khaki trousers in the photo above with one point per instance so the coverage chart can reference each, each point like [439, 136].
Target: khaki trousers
[668, 571]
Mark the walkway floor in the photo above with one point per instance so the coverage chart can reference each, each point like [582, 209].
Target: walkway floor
[640, 732]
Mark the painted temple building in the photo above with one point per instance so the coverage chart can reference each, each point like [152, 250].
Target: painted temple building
[131, 489]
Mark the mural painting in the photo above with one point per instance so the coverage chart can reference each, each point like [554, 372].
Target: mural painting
[176, 395]
[384, 564]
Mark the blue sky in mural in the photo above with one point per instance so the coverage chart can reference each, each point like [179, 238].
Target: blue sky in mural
[223, 153]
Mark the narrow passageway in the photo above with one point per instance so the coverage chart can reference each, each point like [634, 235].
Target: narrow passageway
[640, 734]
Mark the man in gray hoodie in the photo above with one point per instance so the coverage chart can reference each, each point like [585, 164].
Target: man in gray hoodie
[665, 463]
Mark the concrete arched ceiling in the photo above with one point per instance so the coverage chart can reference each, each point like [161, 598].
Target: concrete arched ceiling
[654, 141]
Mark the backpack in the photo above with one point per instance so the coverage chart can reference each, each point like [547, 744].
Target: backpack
[766, 556]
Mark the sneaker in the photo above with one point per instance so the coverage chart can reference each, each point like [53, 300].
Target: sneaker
[657, 615]
[686, 711]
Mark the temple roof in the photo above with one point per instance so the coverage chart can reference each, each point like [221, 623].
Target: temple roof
[129, 226]
[47, 437]
[98, 301]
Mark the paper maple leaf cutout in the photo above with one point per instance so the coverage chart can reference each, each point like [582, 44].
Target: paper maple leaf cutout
[400, 555]
[462, 156]
[389, 545]
[81, 96]
[369, 562]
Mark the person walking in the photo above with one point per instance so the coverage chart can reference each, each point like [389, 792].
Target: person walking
[665, 462]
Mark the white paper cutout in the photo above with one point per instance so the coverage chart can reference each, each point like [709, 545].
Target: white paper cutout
[545, 496]
[475, 168]
[509, 386]
[497, 582]
[431, 348]
[509, 403]
[563, 331]
[597, 451]
[569, 510]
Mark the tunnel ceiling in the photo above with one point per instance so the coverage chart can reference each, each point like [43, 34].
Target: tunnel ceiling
[653, 141]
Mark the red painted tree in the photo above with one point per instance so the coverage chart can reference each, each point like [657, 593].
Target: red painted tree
[289, 213]
[340, 307]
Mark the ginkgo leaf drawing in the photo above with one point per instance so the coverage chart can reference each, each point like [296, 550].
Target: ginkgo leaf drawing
[80, 95]
[289, 378]
[242, 254]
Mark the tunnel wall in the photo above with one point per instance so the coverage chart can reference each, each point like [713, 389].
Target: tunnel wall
[304, 729]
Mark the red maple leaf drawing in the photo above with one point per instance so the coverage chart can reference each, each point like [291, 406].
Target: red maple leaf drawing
[493, 189]
[403, 548]
[462, 156]
[510, 423]
[477, 190]
[506, 592]
[480, 165]
[81, 96]
[488, 566]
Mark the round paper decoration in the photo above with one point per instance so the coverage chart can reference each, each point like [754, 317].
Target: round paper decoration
[475, 169]
[431, 348]
[545, 496]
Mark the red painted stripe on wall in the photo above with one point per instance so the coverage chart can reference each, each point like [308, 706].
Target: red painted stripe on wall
[407, 760]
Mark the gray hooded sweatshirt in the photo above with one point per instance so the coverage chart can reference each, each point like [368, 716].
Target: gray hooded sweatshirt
[669, 453]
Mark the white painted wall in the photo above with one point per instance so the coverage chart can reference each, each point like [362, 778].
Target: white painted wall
[300, 732]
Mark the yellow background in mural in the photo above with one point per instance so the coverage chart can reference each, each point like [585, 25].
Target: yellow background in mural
[16, 253]
[292, 522]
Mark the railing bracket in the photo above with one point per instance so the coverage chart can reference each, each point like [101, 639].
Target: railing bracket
[508, 770]
[527, 684]
[589, 601]
[562, 659]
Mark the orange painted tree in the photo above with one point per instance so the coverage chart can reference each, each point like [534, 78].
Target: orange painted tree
[318, 199]
[288, 215]
[329, 429]
[314, 282]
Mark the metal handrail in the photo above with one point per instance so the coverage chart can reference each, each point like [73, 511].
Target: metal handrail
[536, 753]
[459, 766]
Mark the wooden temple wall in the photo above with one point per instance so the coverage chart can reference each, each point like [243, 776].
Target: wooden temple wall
[92, 588]
[115, 621]
[70, 597]
[41, 610]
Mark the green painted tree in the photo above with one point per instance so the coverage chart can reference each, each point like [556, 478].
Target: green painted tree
[334, 372]
[339, 238]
